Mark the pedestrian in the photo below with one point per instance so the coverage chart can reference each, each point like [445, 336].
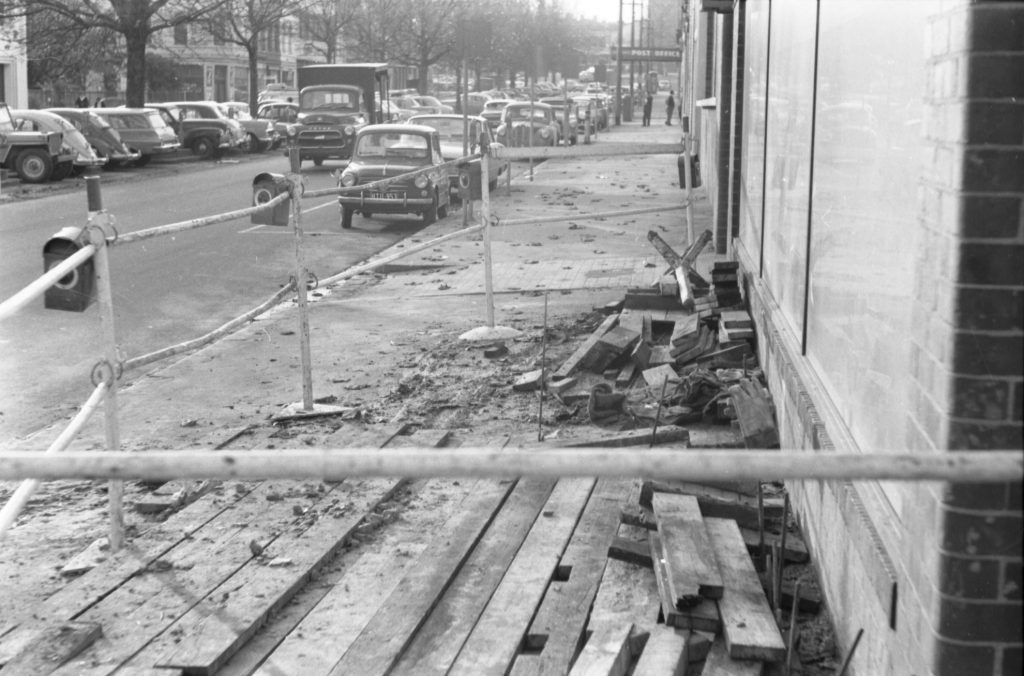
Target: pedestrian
[670, 107]
[648, 105]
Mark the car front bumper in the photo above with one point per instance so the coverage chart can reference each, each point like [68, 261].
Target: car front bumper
[400, 205]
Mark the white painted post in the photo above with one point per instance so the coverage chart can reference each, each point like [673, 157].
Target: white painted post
[295, 180]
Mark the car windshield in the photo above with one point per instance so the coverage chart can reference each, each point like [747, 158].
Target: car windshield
[449, 129]
[523, 113]
[330, 99]
[393, 144]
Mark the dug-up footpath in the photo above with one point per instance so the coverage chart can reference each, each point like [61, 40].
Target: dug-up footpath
[630, 336]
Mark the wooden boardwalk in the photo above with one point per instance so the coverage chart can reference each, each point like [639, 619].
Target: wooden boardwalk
[499, 577]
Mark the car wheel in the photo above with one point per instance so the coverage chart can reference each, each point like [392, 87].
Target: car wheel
[318, 161]
[430, 215]
[346, 218]
[204, 147]
[62, 171]
[143, 160]
[34, 165]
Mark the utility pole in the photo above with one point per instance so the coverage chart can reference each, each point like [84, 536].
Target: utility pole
[618, 74]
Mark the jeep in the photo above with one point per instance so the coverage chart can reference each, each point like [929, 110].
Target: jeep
[31, 154]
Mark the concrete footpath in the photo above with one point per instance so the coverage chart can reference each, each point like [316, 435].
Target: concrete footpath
[376, 320]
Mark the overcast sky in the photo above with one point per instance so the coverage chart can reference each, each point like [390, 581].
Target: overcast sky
[605, 10]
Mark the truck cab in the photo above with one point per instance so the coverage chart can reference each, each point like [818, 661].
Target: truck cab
[33, 155]
[335, 102]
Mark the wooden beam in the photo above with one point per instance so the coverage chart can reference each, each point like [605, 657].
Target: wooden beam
[574, 361]
[55, 646]
[606, 652]
[749, 626]
[692, 568]
[664, 654]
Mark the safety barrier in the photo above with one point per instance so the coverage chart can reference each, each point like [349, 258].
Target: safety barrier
[88, 246]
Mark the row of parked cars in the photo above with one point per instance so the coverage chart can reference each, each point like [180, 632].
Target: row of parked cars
[54, 143]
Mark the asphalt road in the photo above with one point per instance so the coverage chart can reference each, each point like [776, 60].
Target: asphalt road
[166, 290]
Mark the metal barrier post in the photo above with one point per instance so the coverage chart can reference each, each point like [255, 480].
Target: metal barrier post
[98, 238]
[295, 178]
[689, 187]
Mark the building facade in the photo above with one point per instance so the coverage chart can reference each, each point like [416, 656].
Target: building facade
[865, 163]
[13, 63]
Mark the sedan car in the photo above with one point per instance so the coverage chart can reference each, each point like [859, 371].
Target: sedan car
[281, 114]
[101, 136]
[388, 150]
[450, 130]
[492, 111]
[567, 112]
[525, 124]
[77, 149]
[431, 105]
[202, 126]
[260, 135]
[142, 130]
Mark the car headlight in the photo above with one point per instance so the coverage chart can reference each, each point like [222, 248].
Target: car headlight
[421, 181]
[349, 130]
[292, 130]
[348, 180]
[545, 133]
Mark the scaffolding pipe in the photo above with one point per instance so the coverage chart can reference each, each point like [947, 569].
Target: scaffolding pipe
[330, 464]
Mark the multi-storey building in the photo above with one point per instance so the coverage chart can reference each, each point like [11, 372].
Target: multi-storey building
[13, 62]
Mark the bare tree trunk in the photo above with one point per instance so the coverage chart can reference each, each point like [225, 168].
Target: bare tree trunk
[254, 75]
[135, 47]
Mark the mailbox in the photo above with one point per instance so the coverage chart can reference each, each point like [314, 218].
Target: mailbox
[76, 290]
[266, 187]
[694, 170]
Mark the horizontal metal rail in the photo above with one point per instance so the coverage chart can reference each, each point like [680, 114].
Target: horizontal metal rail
[678, 463]
[189, 345]
[195, 223]
[499, 152]
[591, 216]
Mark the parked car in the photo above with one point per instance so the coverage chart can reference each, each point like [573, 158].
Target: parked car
[30, 154]
[599, 110]
[567, 114]
[261, 135]
[387, 150]
[101, 136]
[408, 106]
[450, 131]
[431, 105]
[143, 130]
[492, 112]
[475, 103]
[202, 126]
[280, 114]
[528, 124]
[75, 144]
[278, 91]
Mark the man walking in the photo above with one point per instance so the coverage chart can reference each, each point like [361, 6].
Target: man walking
[670, 106]
[648, 105]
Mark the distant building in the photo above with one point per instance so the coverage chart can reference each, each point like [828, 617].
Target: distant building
[864, 162]
[13, 62]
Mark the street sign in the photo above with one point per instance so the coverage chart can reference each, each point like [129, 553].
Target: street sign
[673, 54]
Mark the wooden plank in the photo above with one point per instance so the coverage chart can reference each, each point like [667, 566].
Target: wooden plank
[717, 502]
[664, 654]
[434, 648]
[693, 251]
[719, 663]
[643, 437]
[56, 645]
[693, 570]
[573, 362]
[625, 376]
[389, 632]
[559, 625]
[703, 616]
[658, 376]
[212, 631]
[606, 652]
[627, 593]
[748, 624]
[754, 412]
[685, 326]
[492, 645]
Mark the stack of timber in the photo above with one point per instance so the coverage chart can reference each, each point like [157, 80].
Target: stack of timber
[725, 279]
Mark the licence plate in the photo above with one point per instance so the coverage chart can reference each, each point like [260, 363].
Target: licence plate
[383, 196]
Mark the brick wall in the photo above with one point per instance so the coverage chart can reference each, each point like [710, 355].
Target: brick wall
[968, 342]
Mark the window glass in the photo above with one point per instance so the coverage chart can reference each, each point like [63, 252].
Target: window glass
[787, 188]
[868, 150]
[754, 101]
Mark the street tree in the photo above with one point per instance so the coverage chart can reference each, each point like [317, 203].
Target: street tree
[60, 54]
[375, 31]
[427, 35]
[250, 24]
[135, 21]
[325, 21]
